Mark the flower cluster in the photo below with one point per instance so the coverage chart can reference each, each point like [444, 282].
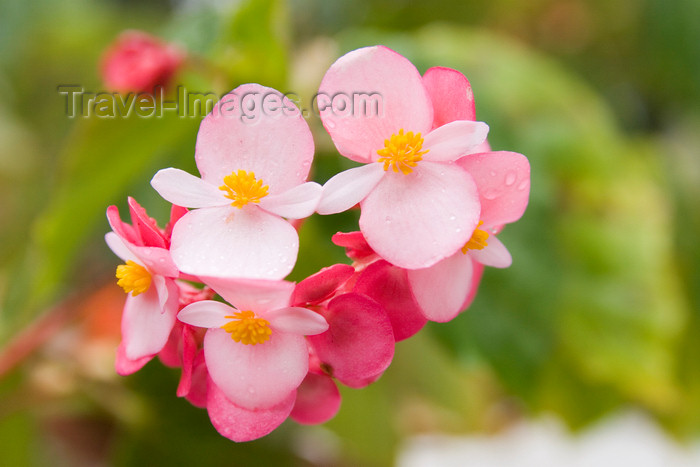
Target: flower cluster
[207, 294]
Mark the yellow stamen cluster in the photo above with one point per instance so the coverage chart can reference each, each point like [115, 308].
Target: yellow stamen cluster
[402, 152]
[247, 329]
[478, 240]
[242, 187]
[133, 278]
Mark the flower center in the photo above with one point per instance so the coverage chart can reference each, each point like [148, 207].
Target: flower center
[133, 278]
[247, 329]
[478, 240]
[243, 188]
[402, 152]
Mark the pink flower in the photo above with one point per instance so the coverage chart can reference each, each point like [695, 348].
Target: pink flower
[139, 62]
[148, 277]
[253, 174]
[503, 181]
[255, 353]
[418, 206]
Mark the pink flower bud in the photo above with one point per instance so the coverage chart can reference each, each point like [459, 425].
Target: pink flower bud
[139, 62]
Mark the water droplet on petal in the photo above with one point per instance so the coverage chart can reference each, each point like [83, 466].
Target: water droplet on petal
[330, 124]
[510, 178]
[493, 173]
[491, 194]
[523, 185]
[387, 219]
[452, 218]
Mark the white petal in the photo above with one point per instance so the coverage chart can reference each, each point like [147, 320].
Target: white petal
[119, 248]
[296, 320]
[296, 203]
[184, 189]
[348, 188]
[453, 140]
[495, 254]
[206, 314]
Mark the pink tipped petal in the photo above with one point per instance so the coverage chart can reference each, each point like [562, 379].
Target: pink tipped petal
[254, 295]
[320, 286]
[451, 95]
[372, 73]
[184, 189]
[415, 220]
[236, 243]
[125, 366]
[256, 376]
[206, 314]
[119, 248]
[503, 180]
[125, 231]
[495, 254]
[348, 188]
[145, 226]
[239, 424]
[388, 286]
[254, 129]
[145, 326]
[296, 203]
[318, 400]
[359, 343]
[442, 289]
[478, 271]
[453, 140]
[296, 320]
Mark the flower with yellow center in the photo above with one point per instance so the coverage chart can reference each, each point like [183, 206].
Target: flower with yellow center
[245, 328]
[402, 151]
[133, 278]
[242, 187]
[477, 241]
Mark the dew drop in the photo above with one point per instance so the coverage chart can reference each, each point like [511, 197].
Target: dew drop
[387, 219]
[452, 218]
[458, 230]
[251, 390]
[523, 185]
[491, 194]
[510, 178]
[493, 173]
[330, 124]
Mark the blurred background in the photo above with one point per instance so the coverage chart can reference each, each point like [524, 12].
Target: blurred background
[597, 316]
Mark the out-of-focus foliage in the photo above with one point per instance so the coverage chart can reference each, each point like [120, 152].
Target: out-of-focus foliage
[599, 310]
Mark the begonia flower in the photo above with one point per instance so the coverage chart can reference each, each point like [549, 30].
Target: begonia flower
[503, 180]
[255, 350]
[138, 62]
[148, 277]
[253, 174]
[418, 206]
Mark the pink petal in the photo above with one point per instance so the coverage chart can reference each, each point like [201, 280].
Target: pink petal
[359, 343]
[256, 376]
[296, 320]
[254, 295]
[184, 189]
[188, 360]
[442, 289]
[145, 226]
[157, 260]
[125, 366]
[415, 220]
[348, 188]
[145, 326]
[453, 140]
[198, 390]
[206, 314]
[356, 247]
[379, 71]
[320, 286]
[503, 180]
[275, 144]
[388, 285]
[451, 95]
[125, 231]
[495, 254]
[318, 400]
[232, 242]
[296, 203]
[239, 424]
